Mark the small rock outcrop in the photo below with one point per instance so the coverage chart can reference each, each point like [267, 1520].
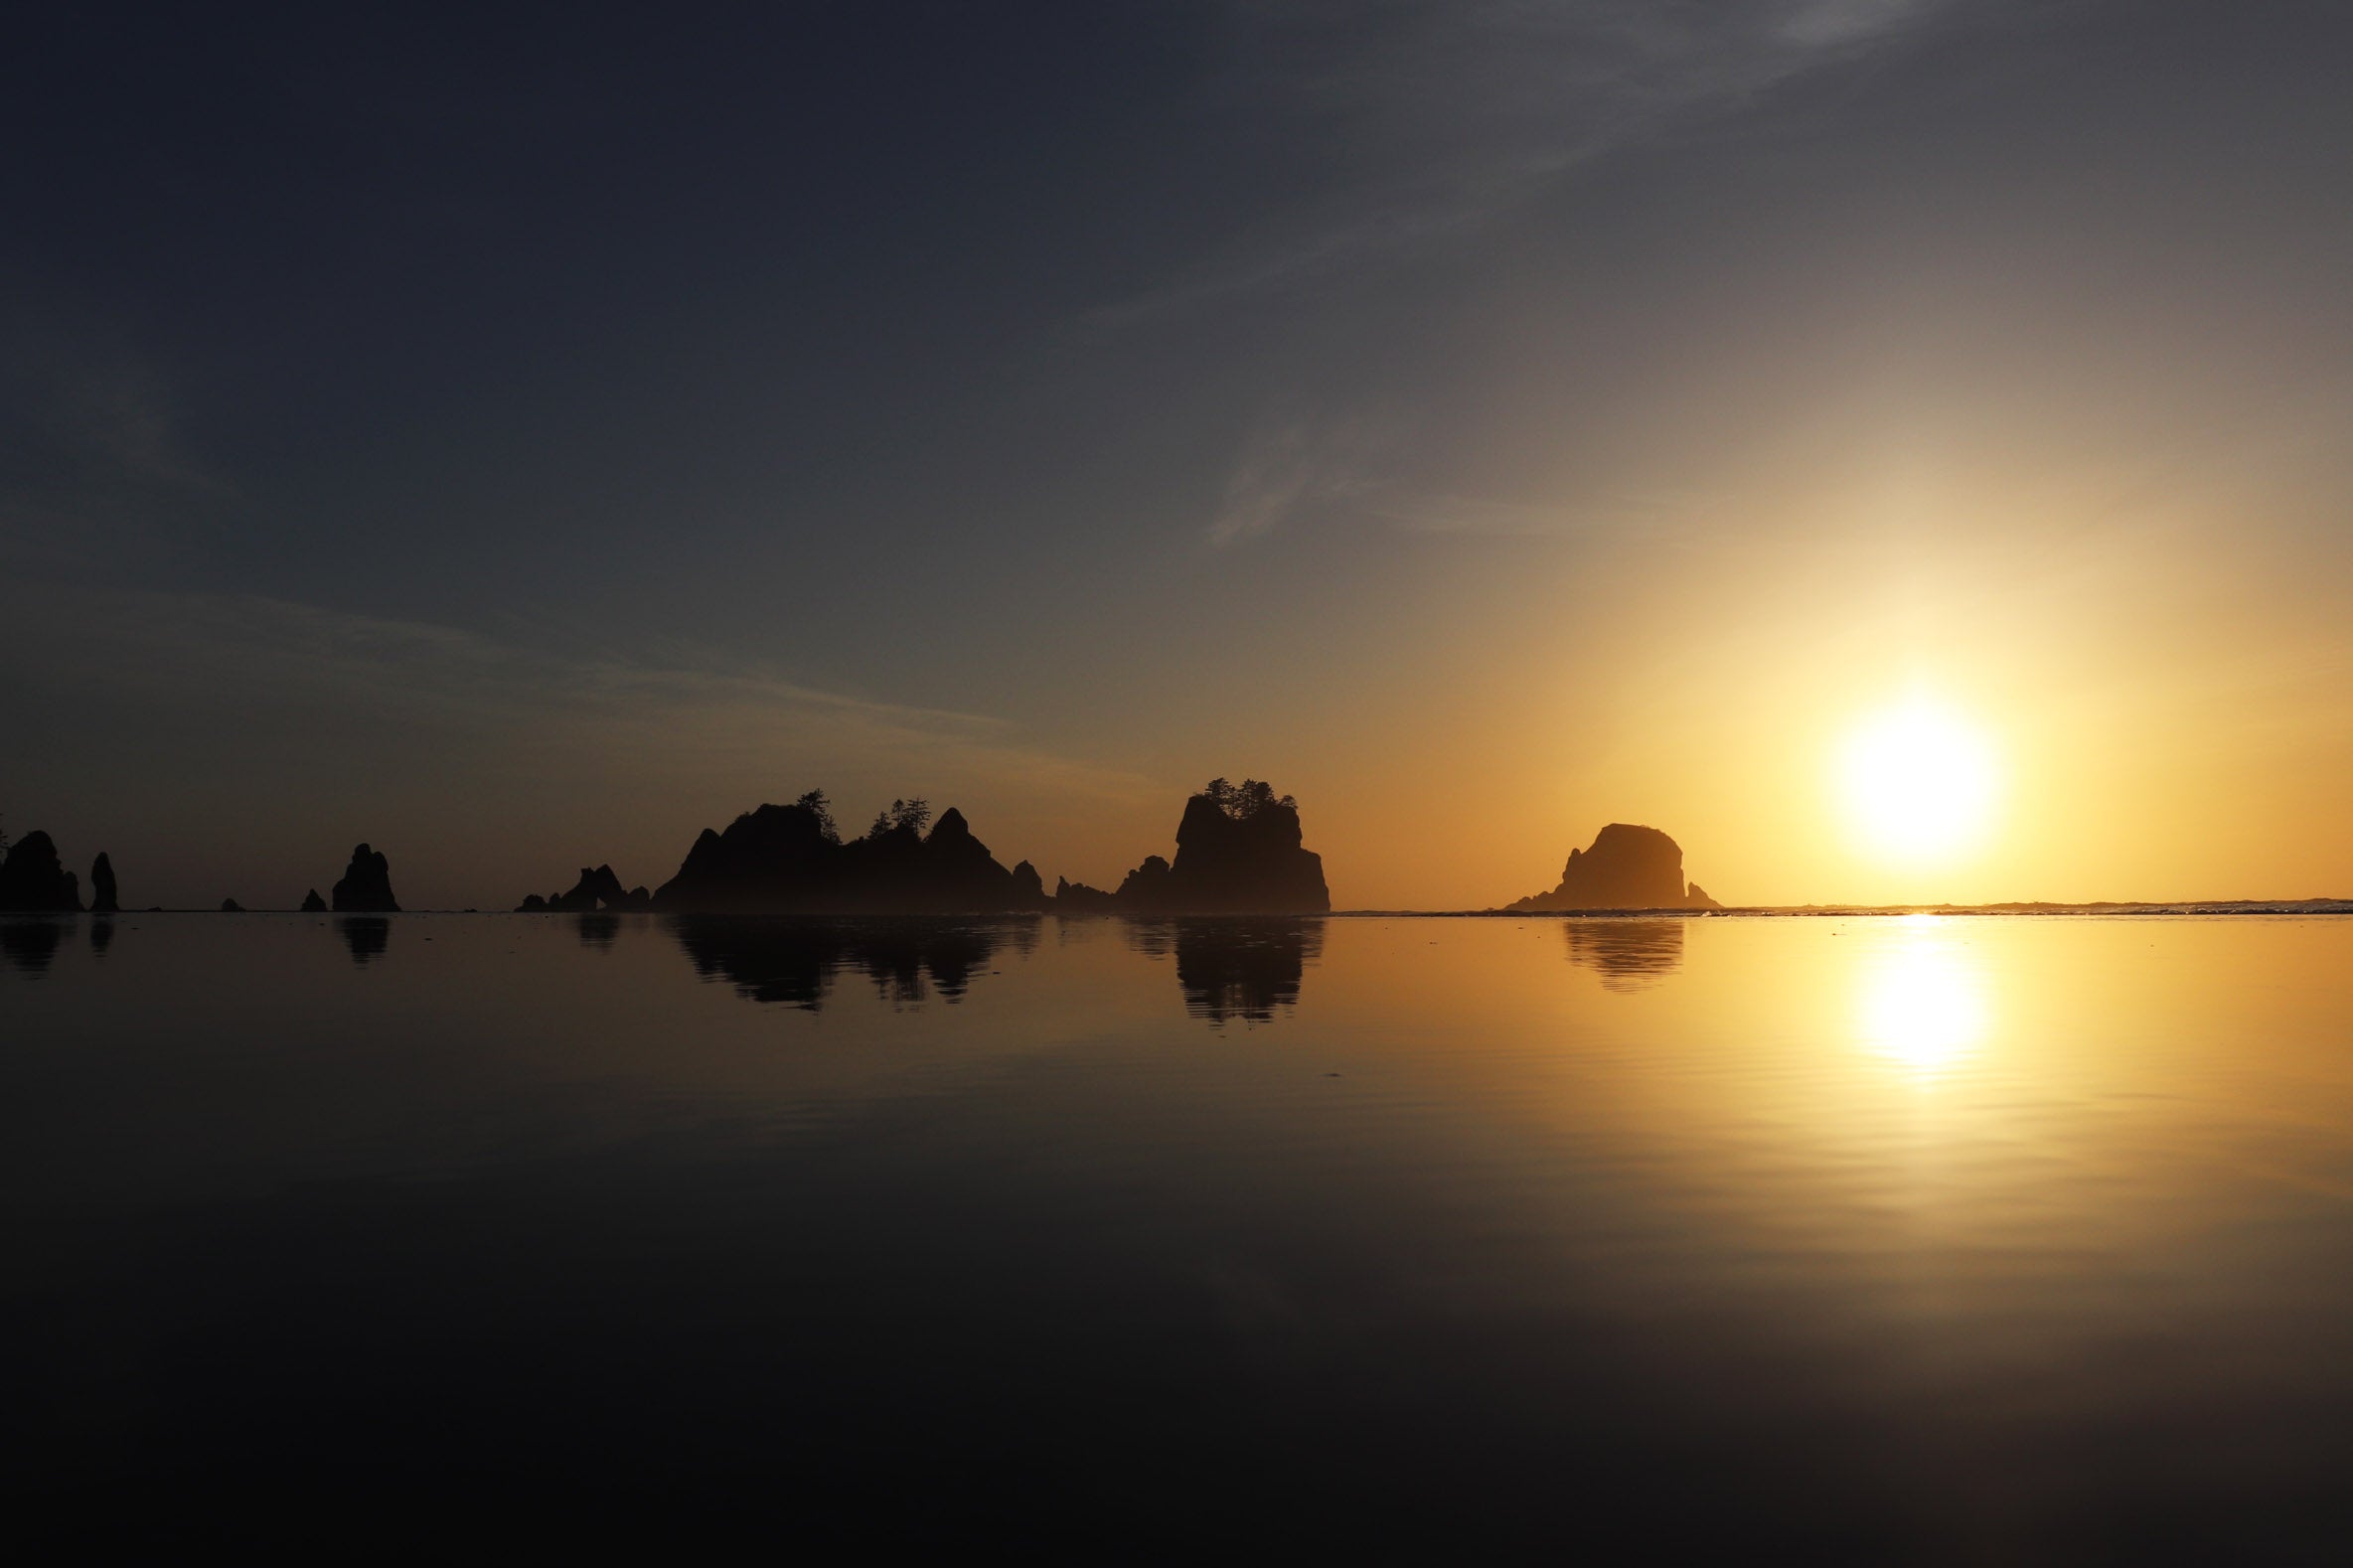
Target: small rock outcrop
[366, 884]
[1078, 899]
[32, 880]
[312, 903]
[232, 906]
[102, 886]
[598, 888]
[1626, 868]
[1238, 852]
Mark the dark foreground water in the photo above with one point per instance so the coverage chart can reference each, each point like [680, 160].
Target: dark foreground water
[1876, 1239]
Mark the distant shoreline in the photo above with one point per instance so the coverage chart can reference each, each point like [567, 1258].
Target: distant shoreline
[2183, 907]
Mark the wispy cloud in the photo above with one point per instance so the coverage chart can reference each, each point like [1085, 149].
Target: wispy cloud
[1287, 466]
[1432, 115]
[253, 656]
[89, 441]
[1299, 468]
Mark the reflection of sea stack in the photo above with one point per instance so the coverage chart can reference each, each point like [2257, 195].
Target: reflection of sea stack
[795, 962]
[367, 885]
[1628, 867]
[32, 880]
[31, 944]
[1234, 969]
[1628, 954]
[1238, 852]
[366, 938]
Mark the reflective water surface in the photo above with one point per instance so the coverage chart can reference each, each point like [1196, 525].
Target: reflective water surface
[1874, 1239]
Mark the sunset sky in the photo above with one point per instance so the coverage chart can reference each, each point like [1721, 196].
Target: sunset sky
[521, 444]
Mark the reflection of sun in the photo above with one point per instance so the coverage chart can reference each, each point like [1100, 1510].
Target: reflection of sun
[1921, 1003]
[1919, 782]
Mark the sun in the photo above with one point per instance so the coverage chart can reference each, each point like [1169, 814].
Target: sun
[1919, 783]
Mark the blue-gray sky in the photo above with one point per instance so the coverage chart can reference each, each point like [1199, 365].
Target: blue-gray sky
[522, 436]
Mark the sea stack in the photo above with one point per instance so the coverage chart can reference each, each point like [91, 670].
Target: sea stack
[312, 903]
[33, 881]
[1626, 868]
[1238, 852]
[367, 885]
[102, 886]
[792, 859]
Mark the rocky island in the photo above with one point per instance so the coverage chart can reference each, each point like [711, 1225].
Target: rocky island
[366, 884]
[34, 881]
[1239, 851]
[792, 859]
[1625, 868]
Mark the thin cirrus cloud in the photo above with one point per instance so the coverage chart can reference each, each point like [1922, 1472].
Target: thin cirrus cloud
[1429, 117]
[265, 664]
[91, 465]
[1432, 120]
[1298, 469]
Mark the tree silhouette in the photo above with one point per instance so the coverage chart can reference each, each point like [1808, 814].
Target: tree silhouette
[901, 814]
[1245, 800]
[816, 805]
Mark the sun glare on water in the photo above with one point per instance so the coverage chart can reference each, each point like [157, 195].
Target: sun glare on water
[1922, 1002]
[1919, 783]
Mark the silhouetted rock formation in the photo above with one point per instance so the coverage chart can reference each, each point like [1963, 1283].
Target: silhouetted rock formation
[102, 886]
[1078, 899]
[1146, 886]
[1628, 867]
[312, 903]
[1629, 955]
[790, 860]
[33, 881]
[232, 906]
[1238, 852]
[367, 885]
[795, 962]
[366, 936]
[30, 945]
[598, 888]
[1234, 969]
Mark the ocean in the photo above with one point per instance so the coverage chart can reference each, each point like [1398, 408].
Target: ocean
[1864, 1238]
